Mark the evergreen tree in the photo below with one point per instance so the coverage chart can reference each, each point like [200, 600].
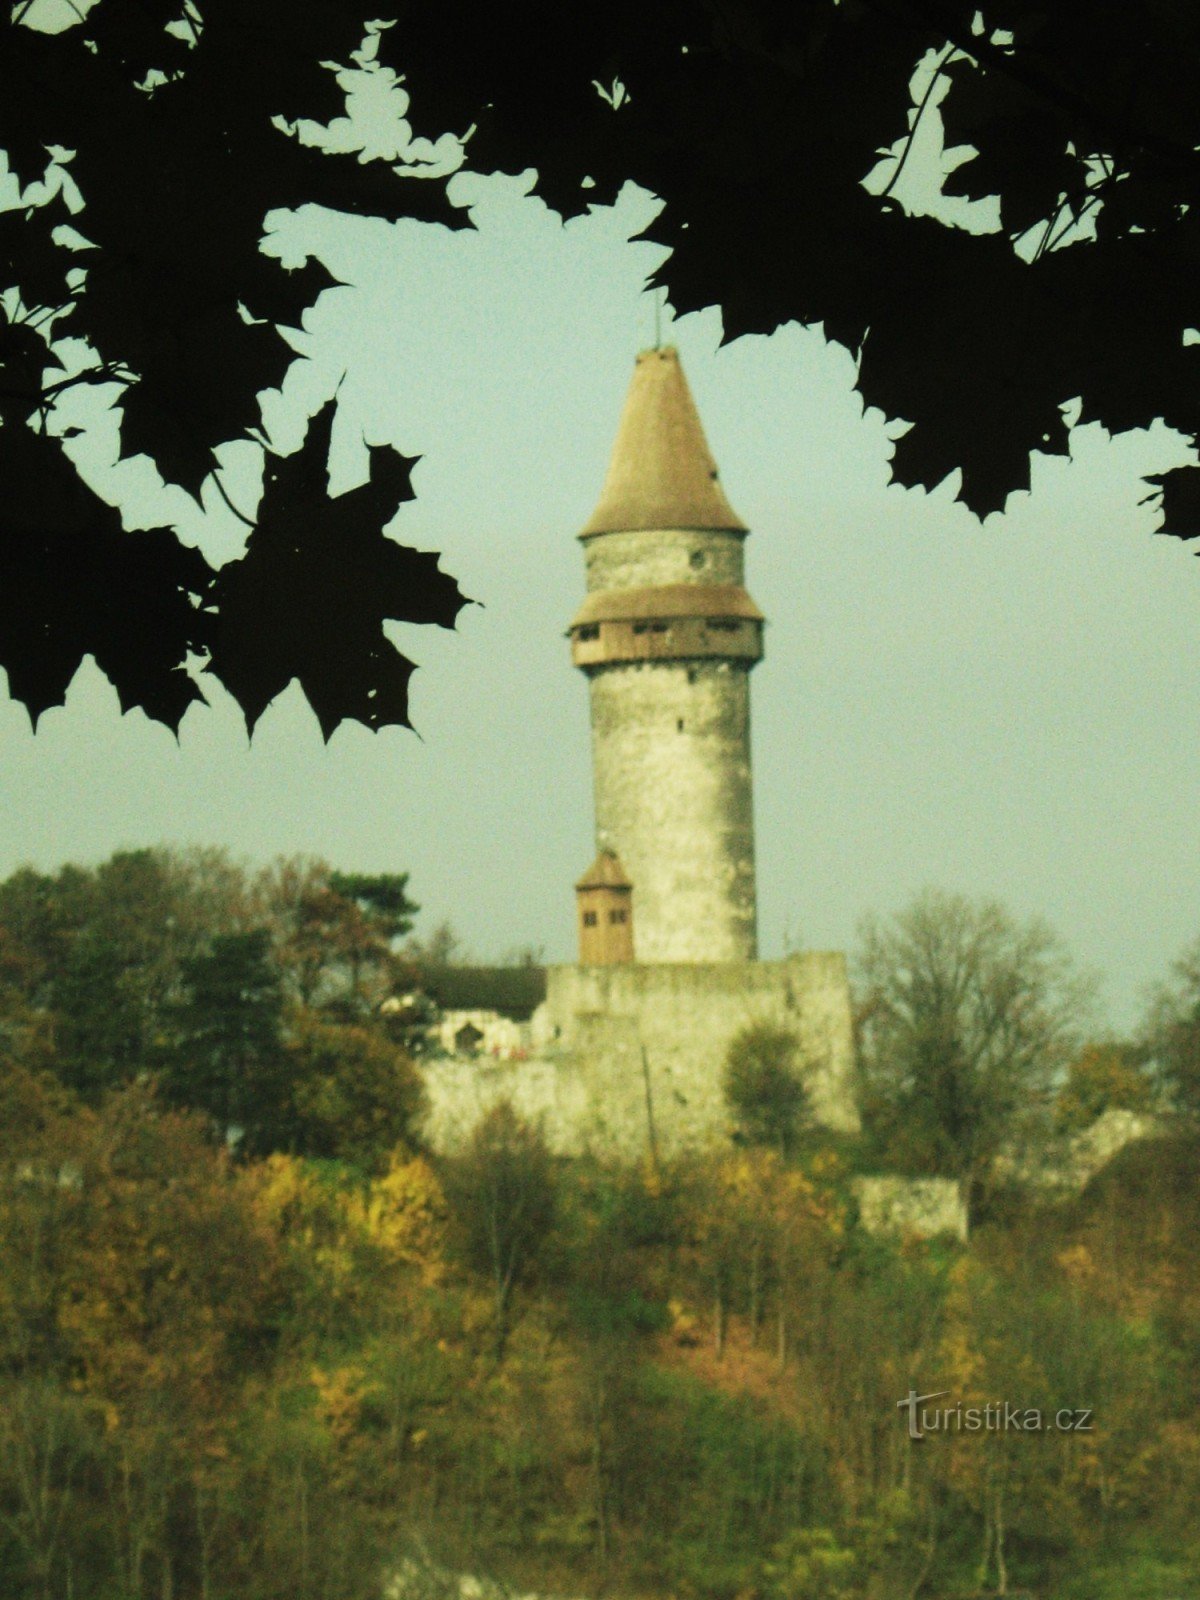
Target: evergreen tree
[228, 1056]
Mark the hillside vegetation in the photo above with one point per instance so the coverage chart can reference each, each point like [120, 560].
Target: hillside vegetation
[272, 1365]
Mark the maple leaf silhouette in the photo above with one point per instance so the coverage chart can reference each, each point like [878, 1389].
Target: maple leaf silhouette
[319, 577]
[76, 583]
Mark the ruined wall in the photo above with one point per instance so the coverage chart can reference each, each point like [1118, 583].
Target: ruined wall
[890, 1204]
[624, 1054]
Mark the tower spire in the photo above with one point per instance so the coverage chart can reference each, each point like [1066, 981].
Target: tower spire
[661, 474]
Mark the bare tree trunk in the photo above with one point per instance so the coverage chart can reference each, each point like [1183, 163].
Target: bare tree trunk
[755, 1289]
[650, 1129]
[719, 1320]
[599, 1469]
[204, 1538]
[302, 1497]
[922, 1576]
[985, 1559]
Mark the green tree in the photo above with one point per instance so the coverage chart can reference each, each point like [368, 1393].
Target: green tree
[227, 1057]
[966, 1019]
[382, 897]
[91, 958]
[334, 933]
[116, 939]
[764, 1086]
[356, 1095]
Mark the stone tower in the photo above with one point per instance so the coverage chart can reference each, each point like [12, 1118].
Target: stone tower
[667, 637]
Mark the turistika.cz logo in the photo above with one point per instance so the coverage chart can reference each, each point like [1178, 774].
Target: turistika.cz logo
[998, 1416]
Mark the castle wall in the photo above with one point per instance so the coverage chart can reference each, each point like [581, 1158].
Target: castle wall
[671, 768]
[618, 1051]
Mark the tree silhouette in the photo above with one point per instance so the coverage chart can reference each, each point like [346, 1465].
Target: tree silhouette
[180, 135]
[756, 122]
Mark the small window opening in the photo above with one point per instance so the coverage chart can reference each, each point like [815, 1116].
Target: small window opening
[590, 630]
[679, 726]
[618, 916]
[589, 919]
[697, 558]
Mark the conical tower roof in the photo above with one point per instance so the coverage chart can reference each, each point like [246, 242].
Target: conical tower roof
[606, 872]
[662, 474]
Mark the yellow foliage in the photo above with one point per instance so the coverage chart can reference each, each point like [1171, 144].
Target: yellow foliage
[1078, 1266]
[282, 1188]
[340, 1396]
[404, 1212]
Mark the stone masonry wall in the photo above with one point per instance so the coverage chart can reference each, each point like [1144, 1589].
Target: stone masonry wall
[889, 1204]
[663, 556]
[671, 767]
[620, 1051]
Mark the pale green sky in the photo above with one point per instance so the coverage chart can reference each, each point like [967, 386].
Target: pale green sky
[1009, 710]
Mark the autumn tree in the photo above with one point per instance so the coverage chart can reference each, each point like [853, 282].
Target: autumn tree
[138, 1291]
[1103, 1077]
[966, 1018]
[502, 1194]
[1172, 1032]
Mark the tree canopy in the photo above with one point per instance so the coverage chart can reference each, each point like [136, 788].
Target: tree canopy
[779, 138]
[254, 1001]
[967, 1021]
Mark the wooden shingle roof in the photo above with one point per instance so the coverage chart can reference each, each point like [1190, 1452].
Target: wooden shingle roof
[662, 474]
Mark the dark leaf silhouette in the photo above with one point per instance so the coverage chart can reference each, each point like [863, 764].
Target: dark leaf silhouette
[309, 598]
[755, 121]
[1179, 493]
[166, 118]
[87, 587]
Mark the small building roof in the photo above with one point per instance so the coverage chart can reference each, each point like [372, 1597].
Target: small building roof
[721, 601]
[662, 474]
[514, 992]
[606, 872]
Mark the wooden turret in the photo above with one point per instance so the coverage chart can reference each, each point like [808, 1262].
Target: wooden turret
[604, 897]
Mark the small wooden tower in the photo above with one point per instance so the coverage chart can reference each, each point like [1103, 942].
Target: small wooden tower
[604, 896]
